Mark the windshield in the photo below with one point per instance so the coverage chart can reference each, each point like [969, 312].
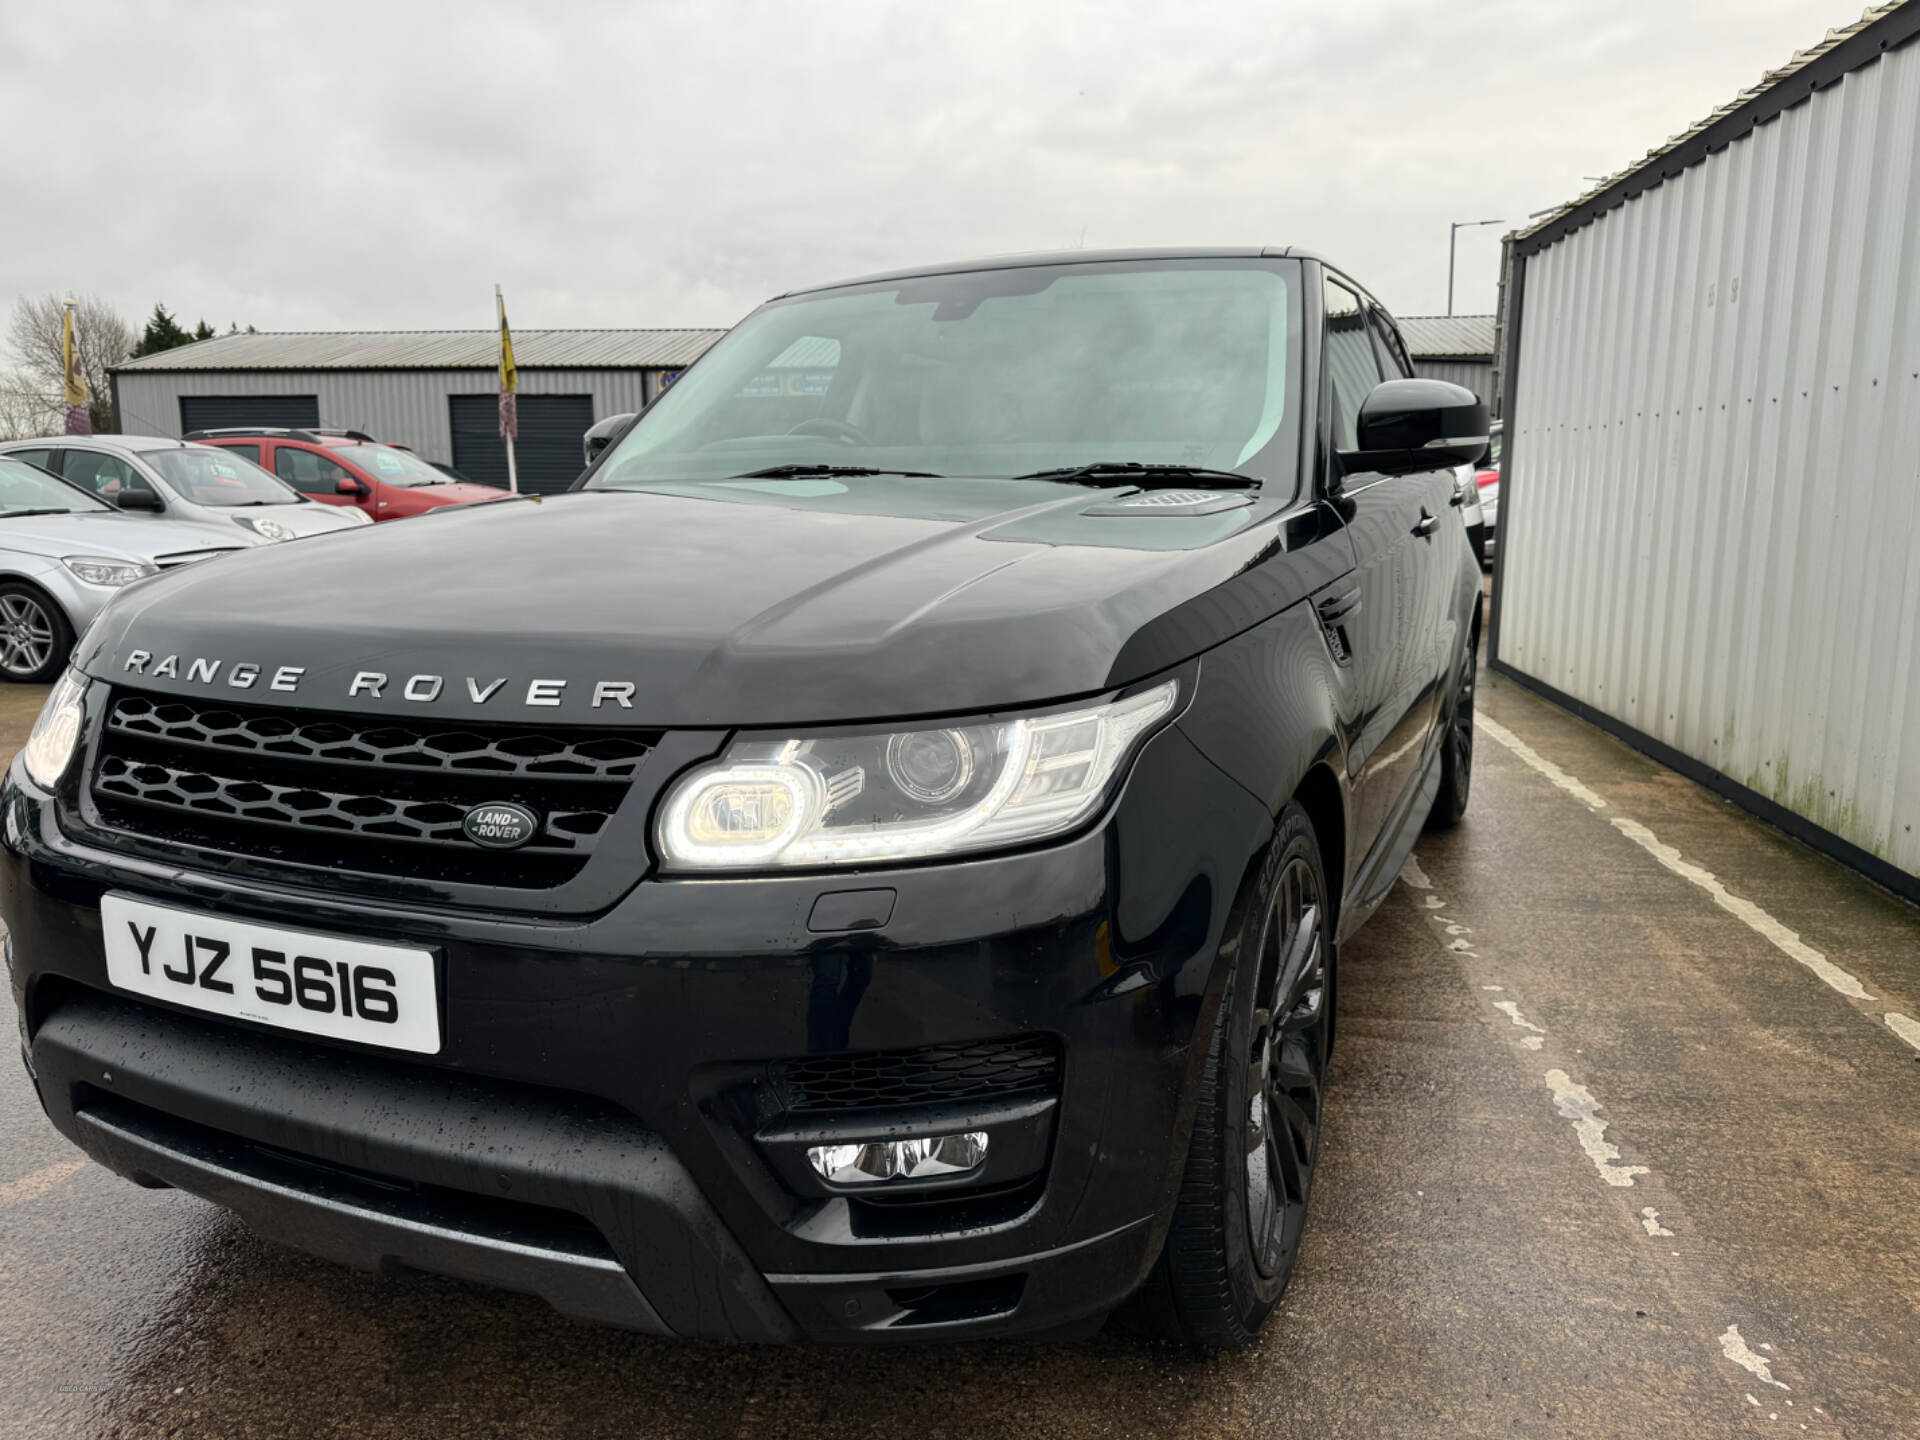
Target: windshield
[206, 476]
[24, 487]
[993, 373]
[391, 466]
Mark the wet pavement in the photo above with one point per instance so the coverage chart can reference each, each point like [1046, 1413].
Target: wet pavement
[1609, 1153]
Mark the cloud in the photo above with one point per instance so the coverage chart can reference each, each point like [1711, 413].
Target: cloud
[666, 163]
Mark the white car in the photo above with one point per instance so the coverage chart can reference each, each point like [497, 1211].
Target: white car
[64, 554]
[152, 475]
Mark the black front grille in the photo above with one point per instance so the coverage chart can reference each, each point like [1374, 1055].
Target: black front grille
[345, 793]
[928, 1075]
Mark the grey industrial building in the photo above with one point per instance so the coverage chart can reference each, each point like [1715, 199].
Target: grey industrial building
[1710, 509]
[433, 391]
[1456, 348]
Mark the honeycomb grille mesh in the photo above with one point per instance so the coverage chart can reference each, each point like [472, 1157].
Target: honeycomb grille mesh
[402, 746]
[316, 809]
[371, 795]
[931, 1074]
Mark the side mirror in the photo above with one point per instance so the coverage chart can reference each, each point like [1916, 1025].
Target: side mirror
[135, 499]
[603, 434]
[352, 487]
[1409, 425]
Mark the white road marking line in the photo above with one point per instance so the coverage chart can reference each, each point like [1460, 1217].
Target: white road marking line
[1512, 1012]
[1650, 1221]
[1494, 730]
[1787, 941]
[1414, 875]
[1784, 940]
[1576, 1103]
[1758, 1366]
[1906, 1027]
[33, 1186]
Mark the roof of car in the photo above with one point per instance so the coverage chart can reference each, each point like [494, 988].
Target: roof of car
[239, 435]
[1068, 257]
[108, 442]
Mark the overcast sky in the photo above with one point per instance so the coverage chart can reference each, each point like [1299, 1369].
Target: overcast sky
[664, 163]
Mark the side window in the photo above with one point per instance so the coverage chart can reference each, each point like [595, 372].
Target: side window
[250, 452]
[308, 471]
[1353, 369]
[1394, 363]
[46, 459]
[104, 475]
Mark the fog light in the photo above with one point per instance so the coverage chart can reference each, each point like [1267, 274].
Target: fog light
[877, 1160]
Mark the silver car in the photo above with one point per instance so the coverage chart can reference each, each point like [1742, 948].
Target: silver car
[153, 476]
[64, 553]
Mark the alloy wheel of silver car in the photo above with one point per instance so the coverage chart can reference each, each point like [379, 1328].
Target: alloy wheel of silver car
[28, 636]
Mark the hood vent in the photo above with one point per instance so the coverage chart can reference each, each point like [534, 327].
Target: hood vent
[1173, 502]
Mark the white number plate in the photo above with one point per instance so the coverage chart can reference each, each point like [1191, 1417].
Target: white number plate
[321, 984]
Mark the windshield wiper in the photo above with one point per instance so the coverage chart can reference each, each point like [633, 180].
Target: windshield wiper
[45, 510]
[1140, 472]
[788, 472]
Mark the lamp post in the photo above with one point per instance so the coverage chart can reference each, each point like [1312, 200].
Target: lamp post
[1453, 232]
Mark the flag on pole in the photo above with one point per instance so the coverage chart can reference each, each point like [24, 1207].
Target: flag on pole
[509, 377]
[79, 420]
[509, 382]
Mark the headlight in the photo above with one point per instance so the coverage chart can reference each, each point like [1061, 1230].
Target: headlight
[97, 570]
[57, 732]
[937, 790]
[272, 529]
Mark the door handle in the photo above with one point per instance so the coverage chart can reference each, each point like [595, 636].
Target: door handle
[1428, 523]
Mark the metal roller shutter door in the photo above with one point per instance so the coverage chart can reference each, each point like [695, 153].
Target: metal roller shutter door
[215, 412]
[547, 452]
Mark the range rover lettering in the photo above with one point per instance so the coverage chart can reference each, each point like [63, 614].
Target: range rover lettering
[867, 864]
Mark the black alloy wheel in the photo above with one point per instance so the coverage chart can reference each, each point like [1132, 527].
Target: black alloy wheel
[1456, 745]
[1286, 1069]
[1242, 1207]
[35, 638]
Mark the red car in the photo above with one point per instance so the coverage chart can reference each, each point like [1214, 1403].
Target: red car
[349, 468]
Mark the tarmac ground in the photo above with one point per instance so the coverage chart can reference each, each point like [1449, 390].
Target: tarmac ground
[1609, 1153]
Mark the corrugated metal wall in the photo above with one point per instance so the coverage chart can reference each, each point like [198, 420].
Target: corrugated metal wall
[408, 407]
[1712, 522]
[1470, 373]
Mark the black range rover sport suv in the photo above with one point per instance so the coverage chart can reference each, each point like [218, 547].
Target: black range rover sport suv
[867, 864]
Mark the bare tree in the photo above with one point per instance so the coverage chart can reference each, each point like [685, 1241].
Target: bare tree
[33, 338]
[26, 410]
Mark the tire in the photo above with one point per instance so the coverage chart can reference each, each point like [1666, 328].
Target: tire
[35, 637]
[1242, 1206]
[1456, 746]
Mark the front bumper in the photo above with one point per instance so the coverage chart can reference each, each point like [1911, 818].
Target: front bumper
[596, 1128]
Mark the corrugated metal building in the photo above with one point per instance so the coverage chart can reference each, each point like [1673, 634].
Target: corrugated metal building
[1458, 348]
[1710, 518]
[433, 391]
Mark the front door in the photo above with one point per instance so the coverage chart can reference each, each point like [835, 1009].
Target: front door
[1394, 521]
[318, 477]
